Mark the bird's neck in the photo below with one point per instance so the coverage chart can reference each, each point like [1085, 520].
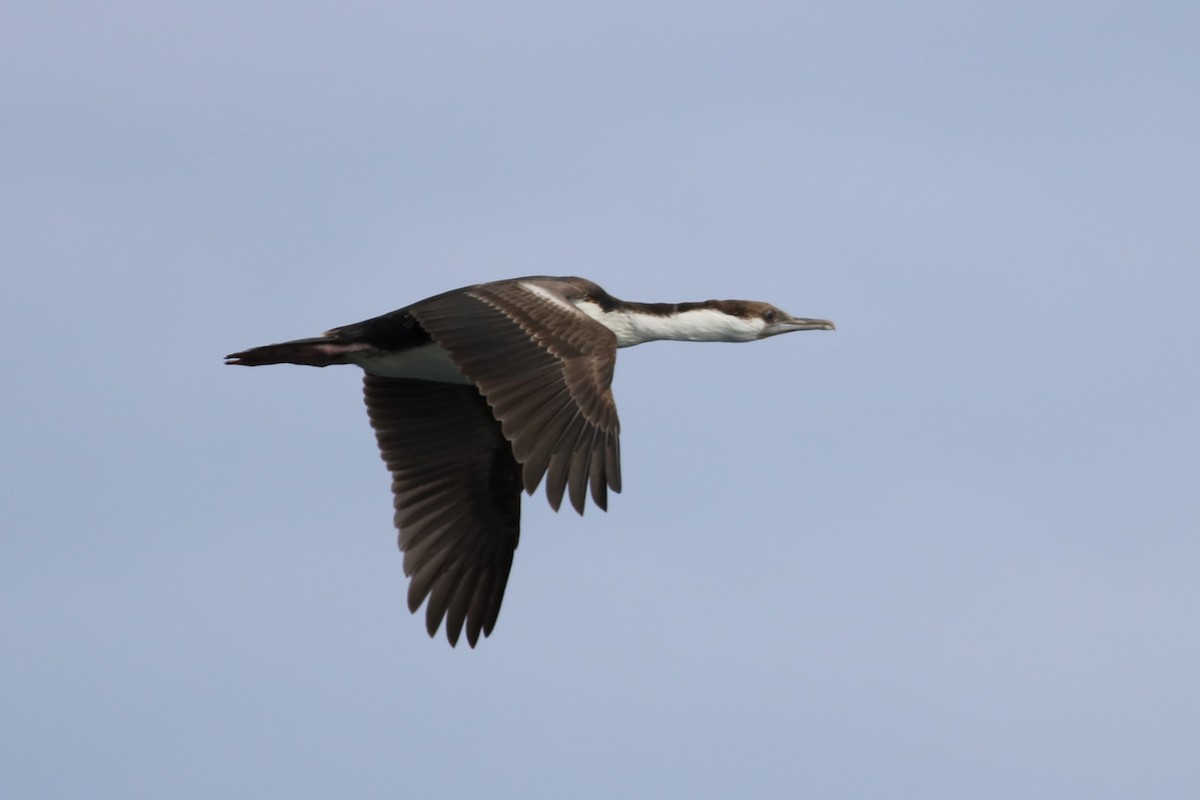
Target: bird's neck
[636, 323]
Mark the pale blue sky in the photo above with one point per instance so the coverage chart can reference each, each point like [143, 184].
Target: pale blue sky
[949, 551]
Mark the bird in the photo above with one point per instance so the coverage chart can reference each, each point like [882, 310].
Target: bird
[477, 394]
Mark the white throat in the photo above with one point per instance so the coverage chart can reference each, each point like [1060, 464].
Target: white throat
[696, 325]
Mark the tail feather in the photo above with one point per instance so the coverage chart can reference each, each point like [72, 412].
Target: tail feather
[318, 351]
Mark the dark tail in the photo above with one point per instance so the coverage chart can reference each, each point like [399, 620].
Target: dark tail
[319, 351]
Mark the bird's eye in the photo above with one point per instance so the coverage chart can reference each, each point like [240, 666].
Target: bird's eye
[769, 315]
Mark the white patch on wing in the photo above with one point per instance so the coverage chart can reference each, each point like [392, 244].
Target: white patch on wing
[429, 362]
[546, 294]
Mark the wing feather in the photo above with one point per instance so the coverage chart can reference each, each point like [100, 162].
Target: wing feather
[546, 370]
[457, 492]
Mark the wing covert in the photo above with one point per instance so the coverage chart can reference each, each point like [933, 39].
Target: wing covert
[546, 370]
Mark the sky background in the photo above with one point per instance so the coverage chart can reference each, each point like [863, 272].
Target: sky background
[950, 551]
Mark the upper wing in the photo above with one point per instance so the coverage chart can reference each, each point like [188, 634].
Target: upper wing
[546, 370]
[457, 497]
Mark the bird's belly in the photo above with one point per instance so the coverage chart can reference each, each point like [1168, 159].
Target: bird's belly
[429, 362]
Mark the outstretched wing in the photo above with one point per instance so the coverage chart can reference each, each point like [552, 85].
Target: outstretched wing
[457, 494]
[546, 370]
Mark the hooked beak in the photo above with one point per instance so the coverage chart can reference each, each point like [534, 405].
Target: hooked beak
[798, 324]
